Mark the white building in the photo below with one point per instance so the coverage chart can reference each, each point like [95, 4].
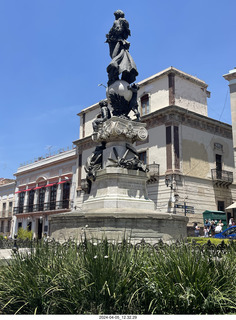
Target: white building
[190, 155]
[44, 187]
[7, 190]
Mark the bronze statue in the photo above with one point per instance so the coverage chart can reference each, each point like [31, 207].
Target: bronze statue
[93, 164]
[122, 62]
[102, 116]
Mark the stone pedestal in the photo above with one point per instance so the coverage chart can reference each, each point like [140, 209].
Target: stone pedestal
[118, 205]
[116, 225]
[117, 188]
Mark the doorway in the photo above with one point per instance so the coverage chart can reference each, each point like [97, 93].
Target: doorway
[40, 228]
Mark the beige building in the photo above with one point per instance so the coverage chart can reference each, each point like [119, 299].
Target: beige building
[190, 155]
[7, 190]
[44, 187]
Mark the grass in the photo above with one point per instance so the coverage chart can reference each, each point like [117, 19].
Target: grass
[105, 278]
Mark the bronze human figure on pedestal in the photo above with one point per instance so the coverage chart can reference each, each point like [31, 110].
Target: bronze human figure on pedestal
[122, 62]
[102, 116]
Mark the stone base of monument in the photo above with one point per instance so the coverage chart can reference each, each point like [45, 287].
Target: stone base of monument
[133, 225]
[119, 188]
[118, 207]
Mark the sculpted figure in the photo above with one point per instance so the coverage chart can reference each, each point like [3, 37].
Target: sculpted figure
[133, 163]
[102, 116]
[93, 164]
[122, 62]
[133, 104]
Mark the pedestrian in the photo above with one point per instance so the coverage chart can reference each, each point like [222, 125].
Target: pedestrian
[213, 228]
[197, 230]
[219, 227]
[207, 225]
[206, 231]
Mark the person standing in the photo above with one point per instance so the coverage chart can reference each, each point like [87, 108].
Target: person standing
[213, 228]
[197, 230]
[219, 227]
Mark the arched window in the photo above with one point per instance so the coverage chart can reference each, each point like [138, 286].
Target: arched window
[144, 104]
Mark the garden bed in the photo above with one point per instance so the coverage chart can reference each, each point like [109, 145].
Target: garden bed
[121, 278]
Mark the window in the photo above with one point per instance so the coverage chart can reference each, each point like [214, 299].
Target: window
[144, 105]
[66, 195]
[143, 157]
[53, 197]
[19, 225]
[21, 202]
[29, 226]
[41, 199]
[218, 166]
[31, 200]
[10, 205]
[218, 146]
[221, 206]
[4, 205]
[176, 147]
[168, 148]
[2, 226]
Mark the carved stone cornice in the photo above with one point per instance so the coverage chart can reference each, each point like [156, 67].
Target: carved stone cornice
[176, 115]
[117, 128]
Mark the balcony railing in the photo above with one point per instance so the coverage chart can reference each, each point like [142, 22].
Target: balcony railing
[222, 177]
[5, 213]
[46, 206]
[153, 172]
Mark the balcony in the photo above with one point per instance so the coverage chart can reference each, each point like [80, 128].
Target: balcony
[221, 178]
[46, 206]
[153, 172]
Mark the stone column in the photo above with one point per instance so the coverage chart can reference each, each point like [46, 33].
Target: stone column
[231, 77]
[36, 197]
[26, 200]
[59, 196]
[47, 198]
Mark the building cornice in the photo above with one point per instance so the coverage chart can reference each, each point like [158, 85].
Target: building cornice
[231, 75]
[177, 72]
[47, 162]
[85, 143]
[172, 115]
[8, 185]
[175, 114]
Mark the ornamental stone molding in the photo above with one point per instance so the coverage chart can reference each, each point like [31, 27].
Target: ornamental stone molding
[117, 128]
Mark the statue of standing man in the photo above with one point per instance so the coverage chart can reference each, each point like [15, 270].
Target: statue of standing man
[122, 62]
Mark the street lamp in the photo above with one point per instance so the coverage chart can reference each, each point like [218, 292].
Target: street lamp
[15, 247]
[171, 182]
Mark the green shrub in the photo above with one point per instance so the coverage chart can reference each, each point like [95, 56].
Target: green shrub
[105, 278]
[24, 234]
[215, 241]
[184, 280]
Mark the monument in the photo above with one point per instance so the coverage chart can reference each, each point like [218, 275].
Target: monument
[118, 203]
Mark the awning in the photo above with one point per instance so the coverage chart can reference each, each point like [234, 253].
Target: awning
[213, 211]
[50, 185]
[20, 191]
[64, 181]
[232, 206]
[38, 188]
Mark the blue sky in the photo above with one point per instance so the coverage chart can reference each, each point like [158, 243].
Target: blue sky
[53, 57]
